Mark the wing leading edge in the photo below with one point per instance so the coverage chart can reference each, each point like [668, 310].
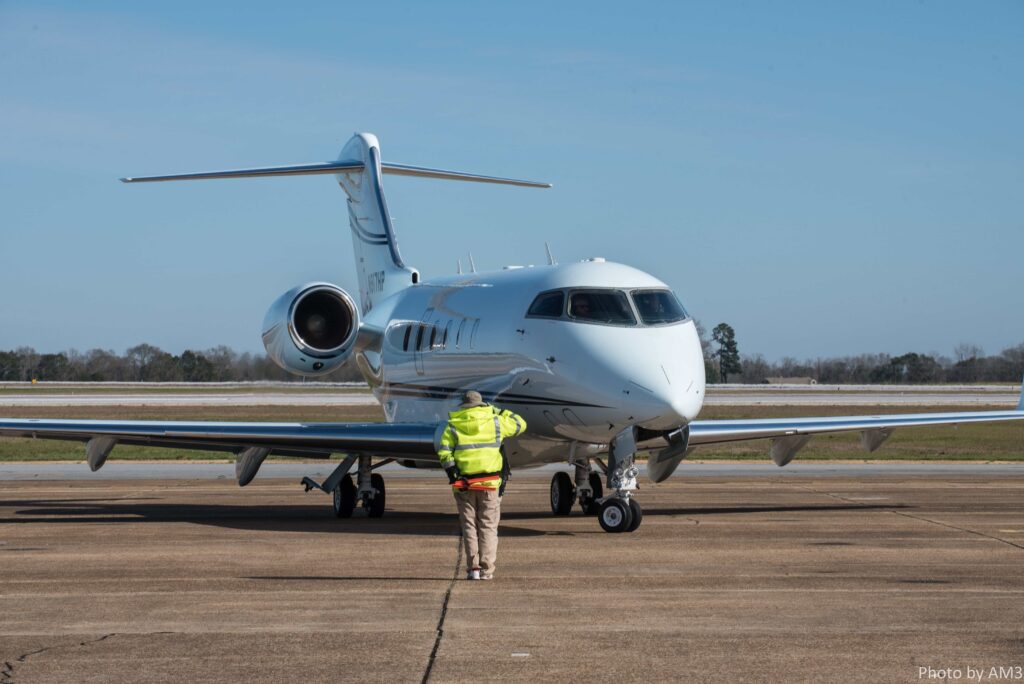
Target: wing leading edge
[415, 441]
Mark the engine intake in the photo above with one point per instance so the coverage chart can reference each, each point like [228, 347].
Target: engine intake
[311, 329]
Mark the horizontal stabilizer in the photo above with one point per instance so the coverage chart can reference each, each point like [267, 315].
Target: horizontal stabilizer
[343, 166]
[298, 170]
[423, 172]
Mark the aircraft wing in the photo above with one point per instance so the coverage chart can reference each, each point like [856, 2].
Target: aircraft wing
[717, 431]
[789, 435]
[414, 441]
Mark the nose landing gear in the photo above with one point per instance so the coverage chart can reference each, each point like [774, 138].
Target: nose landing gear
[617, 512]
[620, 515]
[620, 512]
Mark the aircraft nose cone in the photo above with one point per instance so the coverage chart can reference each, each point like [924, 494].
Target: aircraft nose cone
[676, 404]
[676, 388]
[687, 405]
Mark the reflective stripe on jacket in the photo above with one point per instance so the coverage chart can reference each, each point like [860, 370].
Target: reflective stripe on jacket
[472, 440]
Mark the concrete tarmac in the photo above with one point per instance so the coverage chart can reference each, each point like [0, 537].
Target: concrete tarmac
[730, 578]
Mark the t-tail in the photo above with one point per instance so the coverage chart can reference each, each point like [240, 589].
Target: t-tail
[358, 171]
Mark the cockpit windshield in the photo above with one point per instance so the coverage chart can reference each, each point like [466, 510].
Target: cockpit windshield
[601, 306]
[658, 306]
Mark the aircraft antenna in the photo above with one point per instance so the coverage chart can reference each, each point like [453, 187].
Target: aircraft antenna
[551, 258]
[458, 262]
[472, 264]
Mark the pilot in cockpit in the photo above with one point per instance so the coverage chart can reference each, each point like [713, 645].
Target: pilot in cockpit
[581, 307]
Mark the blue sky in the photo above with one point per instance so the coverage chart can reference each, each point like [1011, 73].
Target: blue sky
[829, 178]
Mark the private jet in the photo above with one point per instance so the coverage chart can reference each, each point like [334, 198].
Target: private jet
[602, 360]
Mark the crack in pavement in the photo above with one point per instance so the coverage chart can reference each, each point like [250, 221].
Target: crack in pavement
[444, 614]
[7, 673]
[828, 494]
[960, 529]
[921, 518]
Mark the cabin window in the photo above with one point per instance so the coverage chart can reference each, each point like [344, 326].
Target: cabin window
[610, 307]
[419, 337]
[405, 341]
[458, 335]
[444, 338]
[657, 307]
[548, 305]
[433, 336]
[472, 336]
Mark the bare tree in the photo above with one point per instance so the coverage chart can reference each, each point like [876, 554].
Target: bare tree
[966, 352]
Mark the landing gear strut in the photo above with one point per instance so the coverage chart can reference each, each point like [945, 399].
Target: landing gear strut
[588, 488]
[371, 488]
[368, 489]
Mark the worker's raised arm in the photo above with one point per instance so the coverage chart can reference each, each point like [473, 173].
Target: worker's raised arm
[512, 424]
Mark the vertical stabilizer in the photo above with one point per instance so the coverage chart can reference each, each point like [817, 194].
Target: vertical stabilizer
[379, 265]
[358, 170]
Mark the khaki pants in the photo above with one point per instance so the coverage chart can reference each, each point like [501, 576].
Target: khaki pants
[479, 513]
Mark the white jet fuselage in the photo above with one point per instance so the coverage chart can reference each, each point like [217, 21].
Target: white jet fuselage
[572, 380]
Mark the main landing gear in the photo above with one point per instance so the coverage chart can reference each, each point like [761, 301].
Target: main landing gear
[367, 490]
[586, 490]
[617, 512]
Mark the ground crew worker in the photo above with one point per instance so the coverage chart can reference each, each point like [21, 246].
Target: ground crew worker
[471, 455]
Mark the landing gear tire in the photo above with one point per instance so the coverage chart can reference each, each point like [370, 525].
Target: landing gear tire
[375, 506]
[638, 515]
[590, 505]
[562, 494]
[615, 515]
[344, 497]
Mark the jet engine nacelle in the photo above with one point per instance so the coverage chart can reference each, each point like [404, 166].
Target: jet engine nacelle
[311, 329]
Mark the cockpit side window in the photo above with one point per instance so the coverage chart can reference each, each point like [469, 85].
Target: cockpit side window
[548, 305]
[657, 307]
[601, 306]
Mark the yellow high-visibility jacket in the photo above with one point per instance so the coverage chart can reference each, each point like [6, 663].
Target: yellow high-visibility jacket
[472, 440]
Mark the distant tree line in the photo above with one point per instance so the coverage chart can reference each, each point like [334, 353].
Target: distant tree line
[911, 368]
[969, 364]
[146, 363]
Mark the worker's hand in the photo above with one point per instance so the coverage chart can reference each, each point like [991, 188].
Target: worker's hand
[453, 474]
[463, 483]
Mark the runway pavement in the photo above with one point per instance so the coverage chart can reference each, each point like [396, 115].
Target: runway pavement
[192, 470]
[733, 576]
